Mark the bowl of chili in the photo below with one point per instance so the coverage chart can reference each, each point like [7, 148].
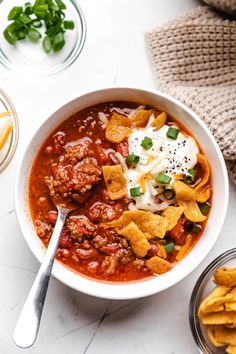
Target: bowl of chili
[119, 154]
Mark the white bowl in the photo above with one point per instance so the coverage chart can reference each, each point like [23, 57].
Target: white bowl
[192, 122]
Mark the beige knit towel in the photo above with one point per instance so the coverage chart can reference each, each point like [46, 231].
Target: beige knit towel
[194, 59]
[228, 6]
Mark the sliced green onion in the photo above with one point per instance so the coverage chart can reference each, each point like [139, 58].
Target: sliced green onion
[9, 36]
[169, 247]
[172, 133]
[135, 192]
[147, 143]
[54, 7]
[15, 12]
[69, 25]
[58, 42]
[28, 8]
[21, 35]
[163, 179]
[37, 23]
[195, 228]
[41, 10]
[169, 193]
[40, 2]
[62, 15]
[34, 35]
[60, 4]
[47, 45]
[53, 30]
[132, 160]
[190, 176]
[204, 208]
[23, 20]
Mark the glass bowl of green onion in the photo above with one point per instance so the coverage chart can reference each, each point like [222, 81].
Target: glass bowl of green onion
[40, 37]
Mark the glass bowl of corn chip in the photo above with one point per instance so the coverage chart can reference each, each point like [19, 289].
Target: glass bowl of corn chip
[8, 130]
[212, 310]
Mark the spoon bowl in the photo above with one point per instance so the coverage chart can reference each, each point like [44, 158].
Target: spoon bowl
[28, 323]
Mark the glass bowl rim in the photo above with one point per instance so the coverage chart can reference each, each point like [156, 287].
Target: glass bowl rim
[193, 304]
[64, 65]
[15, 133]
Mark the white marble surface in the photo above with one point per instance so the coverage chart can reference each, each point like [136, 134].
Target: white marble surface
[74, 323]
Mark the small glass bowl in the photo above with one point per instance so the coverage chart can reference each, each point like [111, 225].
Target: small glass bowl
[7, 152]
[28, 58]
[202, 288]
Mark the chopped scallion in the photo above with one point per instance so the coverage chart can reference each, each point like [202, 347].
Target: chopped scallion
[37, 23]
[195, 228]
[69, 25]
[23, 20]
[132, 160]
[15, 12]
[204, 208]
[9, 36]
[172, 133]
[60, 4]
[163, 179]
[47, 45]
[135, 192]
[169, 193]
[169, 247]
[190, 176]
[21, 35]
[58, 42]
[147, 143]
[34, 35]
[41, 11]
[28, 8]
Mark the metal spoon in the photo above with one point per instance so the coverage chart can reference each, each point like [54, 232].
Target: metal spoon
[28, 323]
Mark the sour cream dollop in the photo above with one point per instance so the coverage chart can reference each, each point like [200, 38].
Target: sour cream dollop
[166, 155]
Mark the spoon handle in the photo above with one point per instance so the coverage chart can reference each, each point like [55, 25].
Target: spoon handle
[28, 323]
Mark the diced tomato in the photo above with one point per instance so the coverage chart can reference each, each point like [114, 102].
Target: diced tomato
[178, 233]
[123, 148]
[101, 156]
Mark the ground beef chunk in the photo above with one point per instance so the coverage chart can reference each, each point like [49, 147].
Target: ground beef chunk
[43, 229]
[80, 226]
[58, 142]
[75, 153]
[99, 241]
[67, 180]
[101, 212]
[110, 263]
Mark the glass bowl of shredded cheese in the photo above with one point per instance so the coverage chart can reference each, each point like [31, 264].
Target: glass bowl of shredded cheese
[9, 130]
